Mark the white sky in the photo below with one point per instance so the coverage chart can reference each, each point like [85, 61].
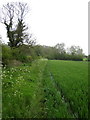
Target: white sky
[57, 21]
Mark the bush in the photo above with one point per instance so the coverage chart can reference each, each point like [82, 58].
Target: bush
[29, 58]
[16, 56]
[19, 55]
[6, 54]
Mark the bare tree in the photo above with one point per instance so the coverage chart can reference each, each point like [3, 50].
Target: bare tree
[13, 15]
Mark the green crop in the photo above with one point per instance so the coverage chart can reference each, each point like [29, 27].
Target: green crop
[70, 78]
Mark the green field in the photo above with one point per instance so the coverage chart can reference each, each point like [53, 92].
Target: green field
[46, 89]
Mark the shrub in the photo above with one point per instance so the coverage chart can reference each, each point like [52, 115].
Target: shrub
[29, 58]
[19, 55]
[6, 54]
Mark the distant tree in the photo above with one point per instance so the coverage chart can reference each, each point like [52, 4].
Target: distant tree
[79, 51]
[60, 48]
[75, 53]
[13, 15]
[75, 50]
[72, 50]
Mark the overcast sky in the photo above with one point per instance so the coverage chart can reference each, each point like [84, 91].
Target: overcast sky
[56, 21]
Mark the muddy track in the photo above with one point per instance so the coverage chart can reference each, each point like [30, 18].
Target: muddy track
[65, 100]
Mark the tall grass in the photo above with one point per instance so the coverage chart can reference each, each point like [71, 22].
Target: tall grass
[22, 91]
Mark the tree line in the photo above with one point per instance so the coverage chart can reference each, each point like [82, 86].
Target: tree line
[22, 47]
[27, 53]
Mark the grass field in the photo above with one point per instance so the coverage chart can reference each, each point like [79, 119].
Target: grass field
[46, 89]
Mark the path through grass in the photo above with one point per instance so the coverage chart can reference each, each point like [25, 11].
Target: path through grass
[46, 89]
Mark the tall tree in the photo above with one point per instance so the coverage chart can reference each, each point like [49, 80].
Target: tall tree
[13, 15]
